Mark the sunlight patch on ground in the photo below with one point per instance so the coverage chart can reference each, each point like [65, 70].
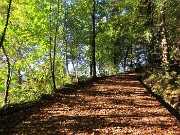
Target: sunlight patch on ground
[111, 106]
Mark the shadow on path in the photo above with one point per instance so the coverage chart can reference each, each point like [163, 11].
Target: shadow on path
[112, 105]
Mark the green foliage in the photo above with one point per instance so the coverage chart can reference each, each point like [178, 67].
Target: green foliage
[124, 39]
[167, 85]
[82, 78]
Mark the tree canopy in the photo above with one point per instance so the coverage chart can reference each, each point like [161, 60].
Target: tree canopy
[46, 44]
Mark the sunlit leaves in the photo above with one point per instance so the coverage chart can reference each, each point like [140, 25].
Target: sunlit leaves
[120, 28]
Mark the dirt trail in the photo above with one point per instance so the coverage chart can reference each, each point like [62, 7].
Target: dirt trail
[113, 105]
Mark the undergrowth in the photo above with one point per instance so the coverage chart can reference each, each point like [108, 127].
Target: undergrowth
[29, 91]
[167, 85]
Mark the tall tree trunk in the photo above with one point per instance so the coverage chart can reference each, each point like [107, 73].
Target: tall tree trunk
[73, 65]
[93, 40]
[90, 57]
[19, 77]
[6, 25]
[91, 69]
[164, 42]
[149, 10]
[54, 48]
[51, 63]
[151, 48]
[131, 59]
[52, 54]
[115, 64]
[8, 80]
[66, 59]
[126, 51]
[115, 60]
[65, 40]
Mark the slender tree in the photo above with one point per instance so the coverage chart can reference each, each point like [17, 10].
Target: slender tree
[164, 41]
[93, 40]
[53, 50]
[8, 80]
[52, 57]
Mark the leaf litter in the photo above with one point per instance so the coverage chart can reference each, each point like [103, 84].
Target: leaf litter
[112, 105]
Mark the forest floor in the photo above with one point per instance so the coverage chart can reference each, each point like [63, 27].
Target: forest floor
[110, 105]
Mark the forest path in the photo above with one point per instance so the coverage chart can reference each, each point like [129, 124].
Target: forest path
[113, 105]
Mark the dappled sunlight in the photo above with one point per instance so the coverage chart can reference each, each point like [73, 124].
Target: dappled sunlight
[109, 106]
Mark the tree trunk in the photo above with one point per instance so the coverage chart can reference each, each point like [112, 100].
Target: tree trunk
[6, 25]
[131, 59]
[115, 60]
[93, 41]
[164, 42]
[126, 51]
[91, 69]
[54, 48]
[115, 56]
[67, 63]
[149, 12]
[52, 55]
[19, 77]
[90, 57]
[8, 80]
[65, 40]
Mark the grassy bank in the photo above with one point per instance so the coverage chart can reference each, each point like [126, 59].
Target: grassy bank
[167, 85]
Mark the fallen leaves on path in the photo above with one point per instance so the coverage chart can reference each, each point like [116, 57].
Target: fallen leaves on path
[113, 105]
